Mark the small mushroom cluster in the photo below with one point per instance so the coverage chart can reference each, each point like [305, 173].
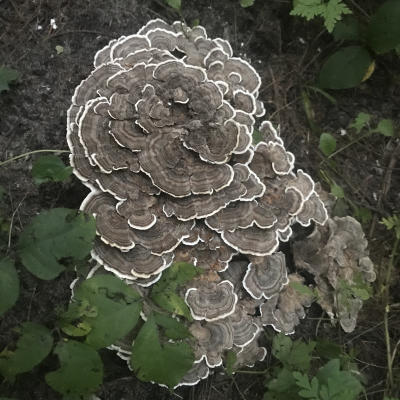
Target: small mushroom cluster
[161, 134]
[336, 255]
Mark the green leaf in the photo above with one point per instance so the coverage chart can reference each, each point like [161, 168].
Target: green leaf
[80, 372]
[345, 69]
[172, 328]
[230, 361]
[54, 235]
[171, 302]
[385, 127]
[363, 214]
[105, 308]
[301, 288]
[328, 349]
[163, 363]
[7, 75]
[59, 49]
[257, 137]
[337, 191]
[32, 347]
[347, 29]
[9, 285]
[50, 168]
[308, 9]
[164, 291]
[175, 4]
[360, 122]
[392, 222]
[292, 354]
[281, 347]
[384, 29]
[309, 390]
[282, 387]
[337, 384]
[333, 12]
[327, 143]
[246, 3]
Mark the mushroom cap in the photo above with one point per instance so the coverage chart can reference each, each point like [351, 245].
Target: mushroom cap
[284, 310]
[266, 276]
[211, 301]
[213, 338]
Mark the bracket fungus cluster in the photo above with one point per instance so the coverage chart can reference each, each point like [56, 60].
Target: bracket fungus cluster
[161, 134]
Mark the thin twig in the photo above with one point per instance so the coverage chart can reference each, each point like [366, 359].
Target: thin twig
[12, 220]
[29, 153]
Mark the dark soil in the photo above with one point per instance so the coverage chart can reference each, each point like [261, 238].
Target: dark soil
[287, 53]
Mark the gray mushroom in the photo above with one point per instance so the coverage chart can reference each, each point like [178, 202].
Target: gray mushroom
[336, 254]
[161, 134]
[284, 310]
[211, 301]
[266, 276]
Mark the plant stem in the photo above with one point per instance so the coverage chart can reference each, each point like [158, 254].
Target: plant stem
[389, 356]
[29, 153]
[252, 372]
[350, 144]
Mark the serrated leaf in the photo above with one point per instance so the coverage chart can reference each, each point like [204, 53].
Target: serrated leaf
[230, 361]
[172, 328]
[54, 235]
[9, 285]
[281, 347]
[309, 390]
[337, 191]
[345, 69]
[282, 387]
[360, 122]
[246, 3]
[32, 347]
[347, 29]
[384, 28]
[50, 168]
[327, 143]
[7, 75]
[308, 9]
[80, 372]
[335, 382]
[385, 127]
[175, 4]
[163, 363]
[334, 9]
[292, 354]
[105, 307]
[300, 355]
[164, 293]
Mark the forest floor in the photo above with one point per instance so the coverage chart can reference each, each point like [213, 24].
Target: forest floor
[287, 52]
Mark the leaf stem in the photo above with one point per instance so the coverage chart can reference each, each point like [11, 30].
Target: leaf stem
[3, 163]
